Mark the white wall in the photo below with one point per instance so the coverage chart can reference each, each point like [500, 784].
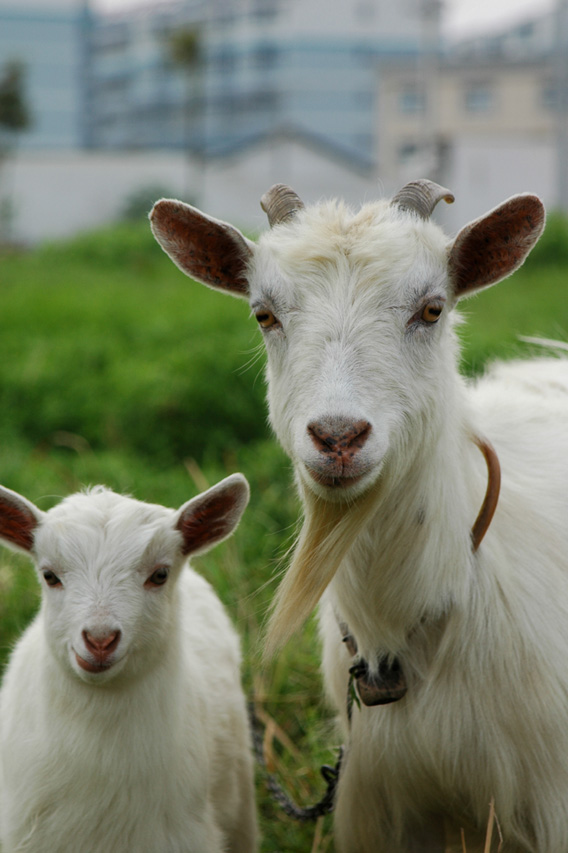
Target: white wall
[57, 195]
[233, 189]
[485, 171]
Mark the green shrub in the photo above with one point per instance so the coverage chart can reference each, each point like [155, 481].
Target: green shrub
[552, 248]
[140, 201]
[106, 339]
[116, 369]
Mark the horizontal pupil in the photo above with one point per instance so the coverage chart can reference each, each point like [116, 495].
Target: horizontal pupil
[160, 576]
[433, 311]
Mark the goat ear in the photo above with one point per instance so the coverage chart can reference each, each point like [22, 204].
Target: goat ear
[492, 247]
[18, 520]
[212, 516]
[206, 249]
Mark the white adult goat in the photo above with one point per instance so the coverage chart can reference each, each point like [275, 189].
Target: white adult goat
[385, 436]
[123, 721]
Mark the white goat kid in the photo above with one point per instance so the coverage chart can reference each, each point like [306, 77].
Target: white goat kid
[123, 721]
[385, 436]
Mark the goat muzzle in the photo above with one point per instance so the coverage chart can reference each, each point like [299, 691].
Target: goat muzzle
[338, 444]
[100, 650]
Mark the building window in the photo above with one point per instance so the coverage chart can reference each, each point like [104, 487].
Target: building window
[478, 97]
[526, 31]
[266, 56]
[550, 95]
[407, 152]
[366, 11]
[226, 60]
[411, 101]
[266, 10]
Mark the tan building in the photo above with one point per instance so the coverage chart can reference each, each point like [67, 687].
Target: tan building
[423, 112]
[485, 128]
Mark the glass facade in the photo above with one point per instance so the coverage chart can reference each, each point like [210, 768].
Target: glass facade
[53, 46]
[264, 67]
[252, 68]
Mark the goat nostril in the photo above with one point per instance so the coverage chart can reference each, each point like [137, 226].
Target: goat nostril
[337, 436]
[101, 645]
[363, 432]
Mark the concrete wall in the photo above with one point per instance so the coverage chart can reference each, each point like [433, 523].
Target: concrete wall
[485, 171]
[57, 195]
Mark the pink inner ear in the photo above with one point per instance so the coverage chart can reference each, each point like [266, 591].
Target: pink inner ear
[17, 524]
[210, 251]
[205, 524]
[493, 247]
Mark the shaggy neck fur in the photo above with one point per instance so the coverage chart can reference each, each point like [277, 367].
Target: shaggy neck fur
[400, 554]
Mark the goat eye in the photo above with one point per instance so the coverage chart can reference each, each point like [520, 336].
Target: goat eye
[266, 318]
[51, 578]
[431, 312]
[158, 577]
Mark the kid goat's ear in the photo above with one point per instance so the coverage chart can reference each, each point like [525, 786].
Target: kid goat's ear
[206, 249]
[212, 516]
[492, 247]
[18, 520]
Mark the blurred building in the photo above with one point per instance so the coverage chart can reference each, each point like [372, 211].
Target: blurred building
[216, 99]
[484, 117]
[52, 41]
[258, 67]
[491, 98]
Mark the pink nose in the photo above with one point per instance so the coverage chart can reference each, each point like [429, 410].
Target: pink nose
[101, 647]
[339, 438]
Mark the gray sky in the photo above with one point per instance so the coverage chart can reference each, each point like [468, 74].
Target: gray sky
[465, 17]
[462, 17]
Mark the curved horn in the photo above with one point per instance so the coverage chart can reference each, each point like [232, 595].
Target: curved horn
[280, 203]
[421, 197]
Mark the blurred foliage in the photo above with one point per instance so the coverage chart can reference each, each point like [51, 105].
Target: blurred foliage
[184, 47]
[14, 112]
[116, 369]
[130, 359]
[139, 203]
[552, 248]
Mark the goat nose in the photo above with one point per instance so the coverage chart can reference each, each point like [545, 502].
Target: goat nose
[339, 437]
[103, 645]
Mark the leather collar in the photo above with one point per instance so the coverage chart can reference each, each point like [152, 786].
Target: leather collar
[389, 683]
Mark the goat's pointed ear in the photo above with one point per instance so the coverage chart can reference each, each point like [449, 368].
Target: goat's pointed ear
[212, 516]
[206, 249]
[18, 520]
[492, 247]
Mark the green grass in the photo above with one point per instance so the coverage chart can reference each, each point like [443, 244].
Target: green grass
[116, 369]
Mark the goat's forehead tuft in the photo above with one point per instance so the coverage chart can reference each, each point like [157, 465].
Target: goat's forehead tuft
[103, 506]
[330, 242]
[99, 520]
[331, 229]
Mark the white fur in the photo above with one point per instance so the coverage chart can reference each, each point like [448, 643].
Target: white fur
[482, 637]
[151, 755]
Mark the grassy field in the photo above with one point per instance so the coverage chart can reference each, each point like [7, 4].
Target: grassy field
[116, 369]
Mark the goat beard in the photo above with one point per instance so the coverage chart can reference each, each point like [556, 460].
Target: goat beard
[328, 532]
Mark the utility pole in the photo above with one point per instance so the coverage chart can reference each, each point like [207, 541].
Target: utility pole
[429, 84]
[561, 101]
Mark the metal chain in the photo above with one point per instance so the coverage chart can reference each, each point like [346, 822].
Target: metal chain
[330, 776]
